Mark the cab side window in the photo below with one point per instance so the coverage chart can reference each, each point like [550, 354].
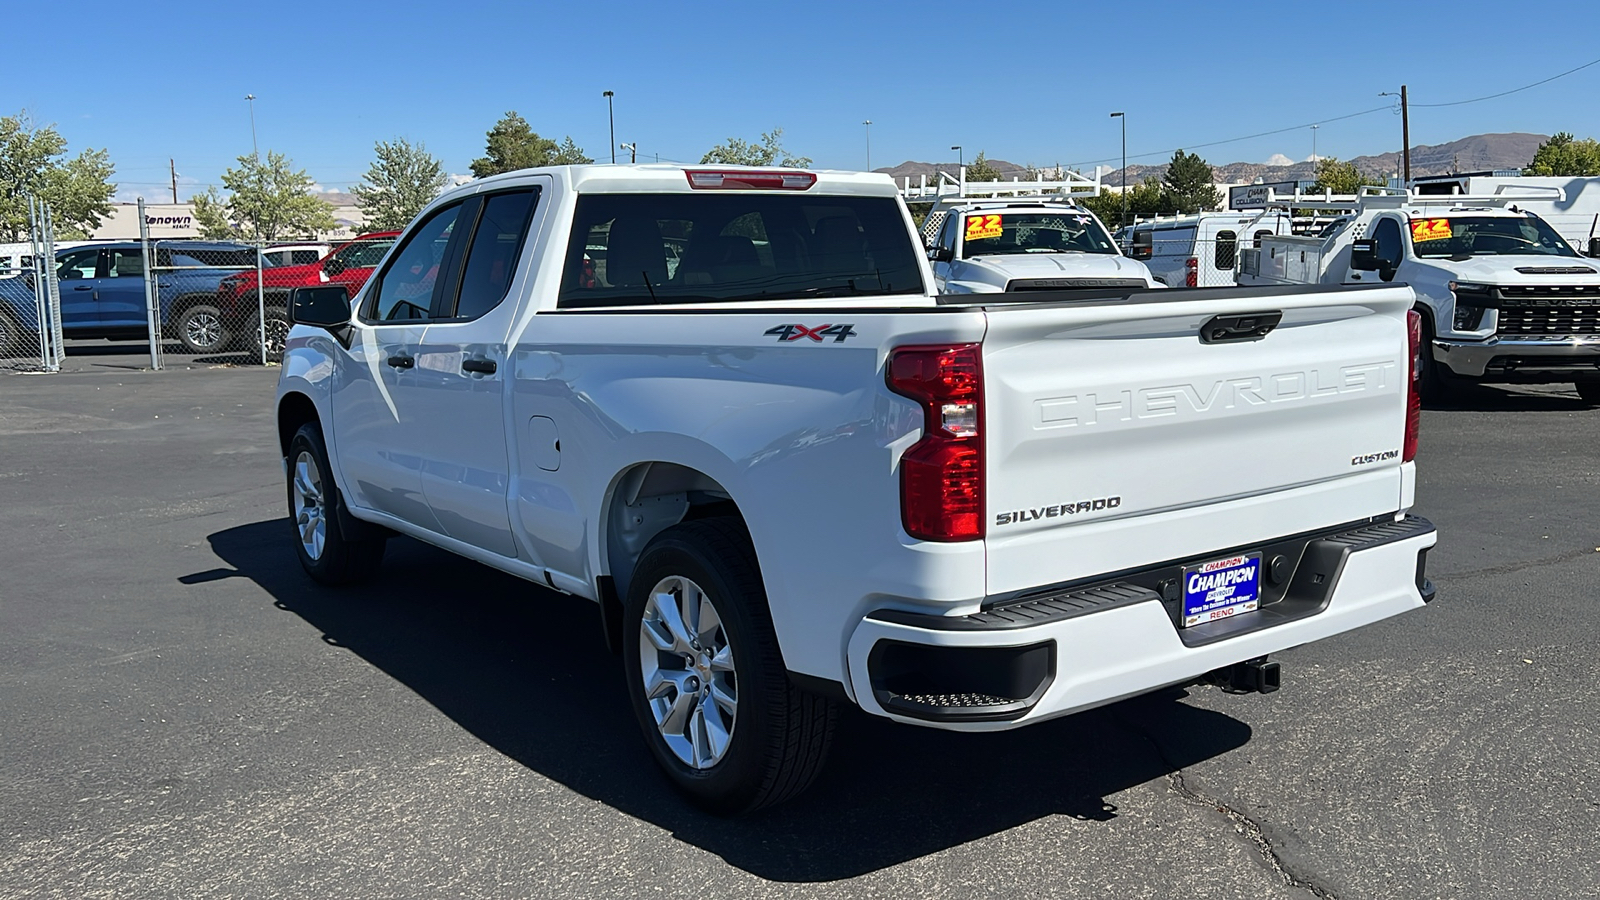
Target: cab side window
[78, 264]
[125, 263]
[492, 257]
[947, 234]
[405, 289]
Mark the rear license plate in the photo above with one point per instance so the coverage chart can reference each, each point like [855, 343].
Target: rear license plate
[1221, 588]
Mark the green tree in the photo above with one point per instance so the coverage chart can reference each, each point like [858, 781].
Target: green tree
[982, 170]
[1341, 177]
[514, 145]
[401, 181]
[767, 152]
[1190, 184]
[569, 154]
[1145, 199]
[267, 200]
[33, 162]
[1565, 155]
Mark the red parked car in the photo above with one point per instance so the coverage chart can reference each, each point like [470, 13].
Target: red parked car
[349, 265]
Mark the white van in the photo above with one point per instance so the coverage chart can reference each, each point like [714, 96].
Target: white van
[15, 258]
[1199, 250]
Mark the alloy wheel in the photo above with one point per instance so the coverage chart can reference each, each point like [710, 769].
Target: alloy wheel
[310, 515]
[687, 664]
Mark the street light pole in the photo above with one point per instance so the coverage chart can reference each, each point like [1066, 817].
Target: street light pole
[253, 146]
[868, 123]
[1124, 120]
[1314, 143]
[633, 151]
[611, 117]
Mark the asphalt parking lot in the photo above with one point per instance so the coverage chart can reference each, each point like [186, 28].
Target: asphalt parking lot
[182, 714]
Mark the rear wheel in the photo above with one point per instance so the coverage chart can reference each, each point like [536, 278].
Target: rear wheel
[325, 552]
[706, 679]
[201, 329]
[1589, 391]
[276, 334]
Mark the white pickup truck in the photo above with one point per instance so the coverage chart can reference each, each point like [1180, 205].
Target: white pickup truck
[1503, 297]
[1025, 244]
[790, 475]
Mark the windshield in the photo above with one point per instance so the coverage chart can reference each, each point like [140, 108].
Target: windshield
[1064, 231]
[363, 254]
[700, 247]
[1461, 237]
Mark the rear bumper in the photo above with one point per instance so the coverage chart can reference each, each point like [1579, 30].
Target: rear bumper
[1071, 650]
[1522, 359]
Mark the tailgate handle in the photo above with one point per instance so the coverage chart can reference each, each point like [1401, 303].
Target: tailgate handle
[1241, 327]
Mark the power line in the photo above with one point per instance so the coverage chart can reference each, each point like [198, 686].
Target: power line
[1341, 118]
[1513, 90]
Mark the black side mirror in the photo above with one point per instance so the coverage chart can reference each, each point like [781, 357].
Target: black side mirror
[333, 265]
[1144, 246]
[1364, 255]
[1594, 248]
[941, 254]
[323, 307]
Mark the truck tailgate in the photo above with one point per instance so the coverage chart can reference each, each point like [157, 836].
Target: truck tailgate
[1116, 438]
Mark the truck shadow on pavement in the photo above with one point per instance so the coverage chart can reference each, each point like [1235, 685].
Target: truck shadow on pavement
[1501, 398]
[524, 670]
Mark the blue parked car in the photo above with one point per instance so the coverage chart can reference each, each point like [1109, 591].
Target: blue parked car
[102, 292]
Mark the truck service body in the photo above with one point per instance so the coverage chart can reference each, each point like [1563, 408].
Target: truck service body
[791, 475]
[1504, 298]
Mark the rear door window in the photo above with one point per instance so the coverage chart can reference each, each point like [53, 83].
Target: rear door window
[492, 256]
[636, 249]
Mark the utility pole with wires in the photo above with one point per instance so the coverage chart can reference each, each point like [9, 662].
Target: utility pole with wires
[172, 166]
[1405, 134]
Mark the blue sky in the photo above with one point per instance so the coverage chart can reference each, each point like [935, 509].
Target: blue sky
[1026, 82]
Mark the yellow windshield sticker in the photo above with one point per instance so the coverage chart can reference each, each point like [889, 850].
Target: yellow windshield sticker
[981, 227]
[1429, 230]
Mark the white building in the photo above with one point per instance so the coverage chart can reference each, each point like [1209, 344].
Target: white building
[176, 220]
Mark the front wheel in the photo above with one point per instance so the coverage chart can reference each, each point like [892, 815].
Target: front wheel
[706, 679]
[1438, 383]
[201, 329]
[325, 552]
[1589, 391]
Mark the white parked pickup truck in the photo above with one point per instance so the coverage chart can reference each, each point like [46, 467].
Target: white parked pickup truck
[791, 476]
[1503, 298]
[1025, 244]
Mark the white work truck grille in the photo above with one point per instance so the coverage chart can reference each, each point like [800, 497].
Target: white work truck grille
[1549, 310]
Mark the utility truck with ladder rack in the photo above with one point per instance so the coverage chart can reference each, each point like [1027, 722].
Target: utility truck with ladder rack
[1503, 297]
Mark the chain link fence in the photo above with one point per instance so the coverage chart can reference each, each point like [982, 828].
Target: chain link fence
[30, 299]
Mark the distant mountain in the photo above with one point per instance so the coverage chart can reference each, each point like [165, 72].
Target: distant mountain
[1477, 153]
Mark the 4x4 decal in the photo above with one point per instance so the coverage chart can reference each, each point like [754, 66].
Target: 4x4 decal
[816, 333]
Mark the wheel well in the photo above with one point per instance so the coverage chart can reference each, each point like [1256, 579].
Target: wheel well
[183, 303]
[650, 498]
[294, 410]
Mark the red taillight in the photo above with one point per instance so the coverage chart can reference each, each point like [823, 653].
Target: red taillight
[712, 179]
[1193, 278]
[1413, 387]
[941, 476]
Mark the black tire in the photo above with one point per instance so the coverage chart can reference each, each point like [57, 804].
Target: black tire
[16, 341]
[780, 735]
[335, 559]
[1589, 391]
[277, 333]
[1439, 384]
[202, 330]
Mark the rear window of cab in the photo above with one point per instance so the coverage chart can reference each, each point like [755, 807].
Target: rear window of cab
[640, 249]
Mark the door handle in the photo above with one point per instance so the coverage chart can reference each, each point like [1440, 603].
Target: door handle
[402, 362]
[479, 366]
[83, 287]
